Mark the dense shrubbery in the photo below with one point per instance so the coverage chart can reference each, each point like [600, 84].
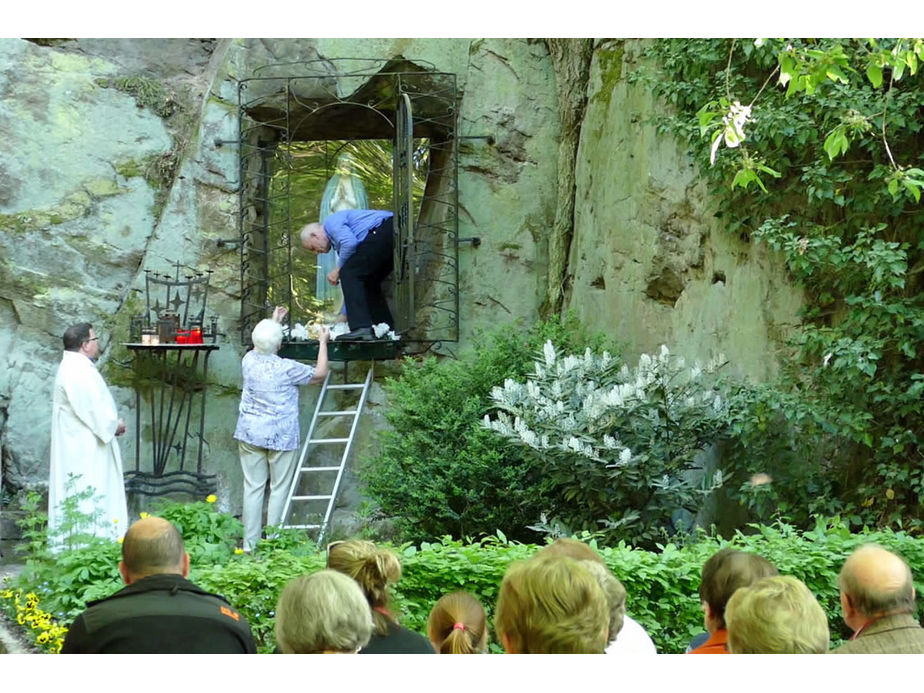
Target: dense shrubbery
[438, 470]
[662, 585]
[832, 132]
[614, 448]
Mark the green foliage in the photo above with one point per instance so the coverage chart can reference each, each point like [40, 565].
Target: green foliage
[661, 584]
[84, 568]
[613, 446]
[438, 470]
[839, 120]
[253, 585]
[209, 535]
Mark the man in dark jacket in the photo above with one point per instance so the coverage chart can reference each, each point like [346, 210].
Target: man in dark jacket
[159, 610]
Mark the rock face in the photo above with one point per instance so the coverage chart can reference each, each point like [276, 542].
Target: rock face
[118, 161]
[649, 264]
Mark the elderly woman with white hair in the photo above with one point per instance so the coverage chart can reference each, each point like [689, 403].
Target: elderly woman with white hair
[267, 426]
[322, 613]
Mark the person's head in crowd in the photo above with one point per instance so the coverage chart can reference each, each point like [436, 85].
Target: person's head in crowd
[152, 546]
[873, 583]
[725, 572]
[322, 613]
[374, 569]
[776, 615]
[551, 605]
[266, 336]
[458, 625]
[612, 588]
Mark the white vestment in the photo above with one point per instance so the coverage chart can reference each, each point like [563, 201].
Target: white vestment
[83, 427]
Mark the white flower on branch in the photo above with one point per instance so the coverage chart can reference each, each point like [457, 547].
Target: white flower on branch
[732, 132]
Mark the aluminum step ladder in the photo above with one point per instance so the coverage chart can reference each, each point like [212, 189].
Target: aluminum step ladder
[306, 469]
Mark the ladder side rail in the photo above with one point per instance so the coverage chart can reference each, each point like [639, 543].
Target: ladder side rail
[346, 454]
[304, 453]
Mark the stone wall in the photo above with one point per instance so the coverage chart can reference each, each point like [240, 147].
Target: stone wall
[112, 167]
[650, 265]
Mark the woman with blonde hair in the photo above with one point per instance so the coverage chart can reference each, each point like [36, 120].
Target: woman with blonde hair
[375, 569]
[458, 625]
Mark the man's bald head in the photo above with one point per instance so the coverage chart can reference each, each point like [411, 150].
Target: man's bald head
[152, 546]
[876, 581]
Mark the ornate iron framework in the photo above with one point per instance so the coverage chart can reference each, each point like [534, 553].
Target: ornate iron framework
[352, 99]
[170, 387]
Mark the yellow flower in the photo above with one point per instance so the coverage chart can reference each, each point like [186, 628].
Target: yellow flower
[144, 515]
[115, 520]
[120, 539]
[238, 551]
[211, 498]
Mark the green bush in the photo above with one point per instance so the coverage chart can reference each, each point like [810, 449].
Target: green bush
[614, 446]
[210, 536]
[662, 585]
[438, 470]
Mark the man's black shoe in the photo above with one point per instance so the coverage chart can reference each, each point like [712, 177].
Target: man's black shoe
[362, 334]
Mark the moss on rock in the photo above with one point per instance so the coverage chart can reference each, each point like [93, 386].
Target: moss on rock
[148, 93]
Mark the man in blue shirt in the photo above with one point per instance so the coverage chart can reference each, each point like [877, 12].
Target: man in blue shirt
[363, 241]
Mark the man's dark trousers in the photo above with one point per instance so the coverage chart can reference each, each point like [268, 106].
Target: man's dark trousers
[362, 275]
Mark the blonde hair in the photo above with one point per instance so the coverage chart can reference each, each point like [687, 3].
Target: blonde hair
[550, 605]
[458, 625]
[374, 569]
[613, 589]
[322, 611]
[776, 615]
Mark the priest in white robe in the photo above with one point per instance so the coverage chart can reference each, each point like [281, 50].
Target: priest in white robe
[84, 449]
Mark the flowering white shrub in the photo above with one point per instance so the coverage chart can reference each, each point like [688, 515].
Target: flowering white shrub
[613, 443]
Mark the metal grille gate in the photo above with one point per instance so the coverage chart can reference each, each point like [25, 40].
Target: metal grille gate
[352, 99]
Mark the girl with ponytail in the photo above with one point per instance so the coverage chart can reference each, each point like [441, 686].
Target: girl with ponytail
[457, 625]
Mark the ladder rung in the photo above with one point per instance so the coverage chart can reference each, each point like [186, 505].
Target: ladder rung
[327, 497]
[302, 526]
[318, 469]
[349, 386]
[336, 413]
[328, 440]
